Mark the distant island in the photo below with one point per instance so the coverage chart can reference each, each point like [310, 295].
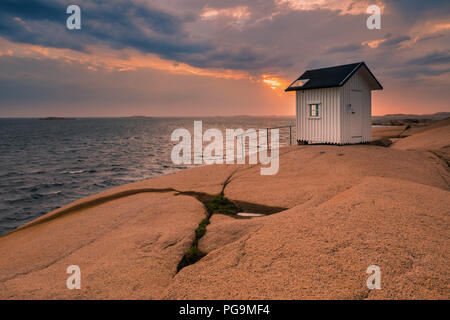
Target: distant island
[57, 118]
[138, 116]
[408, 119]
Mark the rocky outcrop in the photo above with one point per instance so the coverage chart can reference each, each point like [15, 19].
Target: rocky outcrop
[347, 208]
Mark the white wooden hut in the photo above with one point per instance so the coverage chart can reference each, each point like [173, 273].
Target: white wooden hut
[334, 105]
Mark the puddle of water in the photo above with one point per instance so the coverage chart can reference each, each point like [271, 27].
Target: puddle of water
[248, 214]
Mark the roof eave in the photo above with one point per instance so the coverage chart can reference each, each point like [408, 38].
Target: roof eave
[304, 89]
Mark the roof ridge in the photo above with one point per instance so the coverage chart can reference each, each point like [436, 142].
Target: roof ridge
[341, 65]
[352, 72]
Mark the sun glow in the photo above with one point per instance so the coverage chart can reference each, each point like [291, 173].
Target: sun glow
[274, 82]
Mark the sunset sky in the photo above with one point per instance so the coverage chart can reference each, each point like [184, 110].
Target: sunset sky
[216, 57]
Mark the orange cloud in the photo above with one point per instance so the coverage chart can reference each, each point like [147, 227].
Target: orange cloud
[22, 23]
[240, 13]
[344, 6]
[102, 58]
[441, 27]
[430, 28]
[373, 43]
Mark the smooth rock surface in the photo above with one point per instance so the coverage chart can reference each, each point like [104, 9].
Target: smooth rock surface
[349, 207]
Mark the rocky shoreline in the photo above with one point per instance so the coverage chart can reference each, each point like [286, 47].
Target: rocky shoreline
[329, 213]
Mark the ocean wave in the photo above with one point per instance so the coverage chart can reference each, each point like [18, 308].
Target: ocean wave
[78, 171]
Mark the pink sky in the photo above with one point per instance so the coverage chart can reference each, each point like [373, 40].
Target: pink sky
[207, 58]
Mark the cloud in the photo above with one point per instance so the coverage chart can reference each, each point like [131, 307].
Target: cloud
[430, 37]
[115, 23]
[271, 35]
[419, 9]
[389, 41]
[435, 58]
[244, 57]
[419, 72]
[394, 41]
[344, 48]
[69, 89]
[423, 68]
[120, 24]
[342, 6]
[239, 13]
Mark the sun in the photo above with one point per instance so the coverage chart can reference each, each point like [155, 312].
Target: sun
[274, 82]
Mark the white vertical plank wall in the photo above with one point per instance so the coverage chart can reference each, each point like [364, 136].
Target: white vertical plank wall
[326, 128]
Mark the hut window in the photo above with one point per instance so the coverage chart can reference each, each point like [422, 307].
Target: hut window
[300, 83]
[314, 110]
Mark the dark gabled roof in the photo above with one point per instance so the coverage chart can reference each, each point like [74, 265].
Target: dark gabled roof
[331, 77]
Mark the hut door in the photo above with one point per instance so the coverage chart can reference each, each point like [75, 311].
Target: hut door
[356, 115]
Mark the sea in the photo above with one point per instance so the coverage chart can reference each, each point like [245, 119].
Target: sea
[46, 164]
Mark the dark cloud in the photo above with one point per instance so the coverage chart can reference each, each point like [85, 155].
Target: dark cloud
[415, 72]
[116, 23]
[417, 9]
[129, 24]
[394, 41]
[34, 9]
[271, 40]
[431, 37]
[242, 57]
[344, 48]
[33, 22]
[435, 58]
[426, 66]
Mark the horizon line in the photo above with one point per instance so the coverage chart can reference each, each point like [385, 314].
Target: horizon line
[207, 116]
